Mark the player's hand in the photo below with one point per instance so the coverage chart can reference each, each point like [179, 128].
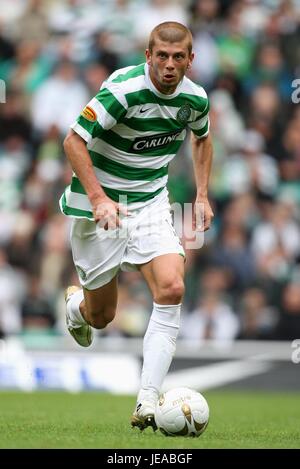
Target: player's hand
[202, 214]
[107, 213]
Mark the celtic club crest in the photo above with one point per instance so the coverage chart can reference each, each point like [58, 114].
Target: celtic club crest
[183, 114]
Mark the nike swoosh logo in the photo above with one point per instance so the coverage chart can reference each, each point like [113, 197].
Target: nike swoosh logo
[144, 110]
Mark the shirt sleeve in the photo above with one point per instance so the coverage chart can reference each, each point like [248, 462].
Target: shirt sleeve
[102, 113]
[200, 126]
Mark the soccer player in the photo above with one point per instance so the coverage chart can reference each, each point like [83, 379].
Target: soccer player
[119, 149]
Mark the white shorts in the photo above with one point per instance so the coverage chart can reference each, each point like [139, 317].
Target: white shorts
[147, 233]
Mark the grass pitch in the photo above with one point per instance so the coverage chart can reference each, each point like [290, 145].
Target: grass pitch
[96, 420]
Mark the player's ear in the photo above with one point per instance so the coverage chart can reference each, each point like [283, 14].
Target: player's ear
[191, 58]
[148, 56]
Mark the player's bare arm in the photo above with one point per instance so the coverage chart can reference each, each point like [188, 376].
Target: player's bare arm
[105, 210]
[202, 151]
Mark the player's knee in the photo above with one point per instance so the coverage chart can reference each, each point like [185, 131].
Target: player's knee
[100, 319]
[170, 292]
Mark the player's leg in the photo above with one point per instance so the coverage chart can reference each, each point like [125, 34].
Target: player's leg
[164, 275]
[90, 308]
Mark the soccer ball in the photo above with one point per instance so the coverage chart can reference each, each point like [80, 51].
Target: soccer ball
[182, 412]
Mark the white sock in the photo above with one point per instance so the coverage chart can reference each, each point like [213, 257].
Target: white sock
[159, 348]
[75, 315]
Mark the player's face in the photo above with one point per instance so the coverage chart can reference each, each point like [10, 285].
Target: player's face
[168, 63]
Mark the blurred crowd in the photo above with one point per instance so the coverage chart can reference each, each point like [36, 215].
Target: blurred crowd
[244, 283]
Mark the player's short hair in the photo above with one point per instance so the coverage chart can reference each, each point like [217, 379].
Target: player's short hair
[171, 31]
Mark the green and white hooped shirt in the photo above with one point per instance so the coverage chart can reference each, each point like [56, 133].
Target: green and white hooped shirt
[133, 132]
